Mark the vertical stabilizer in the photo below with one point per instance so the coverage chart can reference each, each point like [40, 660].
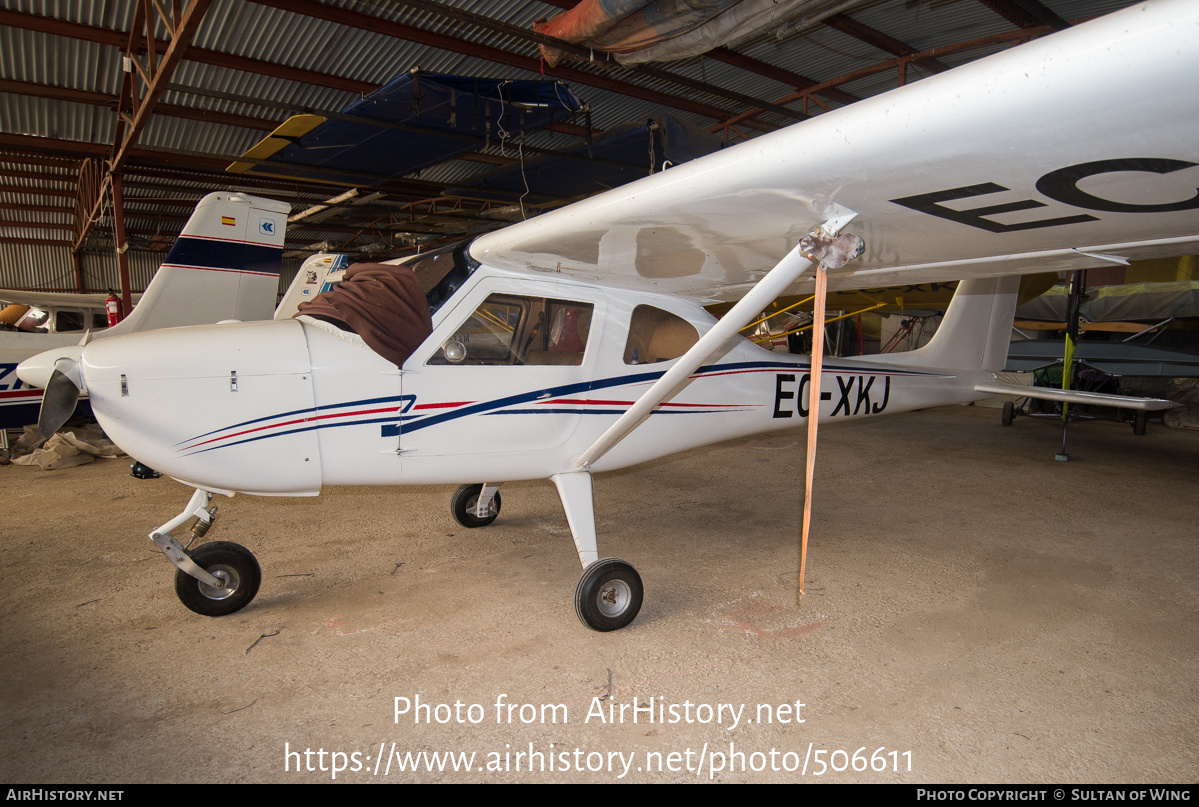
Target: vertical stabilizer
[224, 265]
[975, 331]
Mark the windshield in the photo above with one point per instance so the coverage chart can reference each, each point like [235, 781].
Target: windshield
[442, 272]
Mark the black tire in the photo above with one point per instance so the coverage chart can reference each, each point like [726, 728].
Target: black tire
[608, 595]
[1139, 421]
[462, 506]
[1009, 413]
[229, 561]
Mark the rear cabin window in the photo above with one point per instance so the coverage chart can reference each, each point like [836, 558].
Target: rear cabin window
[507, 329]
[656, 335]
[68, 321]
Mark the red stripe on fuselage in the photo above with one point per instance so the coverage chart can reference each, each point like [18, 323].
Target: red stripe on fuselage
[292, 423]
[218, 269]
[442, 405]
[591, 402]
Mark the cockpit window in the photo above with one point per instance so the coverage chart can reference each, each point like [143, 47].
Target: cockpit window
[508, 329]
[656, 335]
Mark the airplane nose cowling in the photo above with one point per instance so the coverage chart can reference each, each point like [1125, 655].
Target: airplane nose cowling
[223, 407]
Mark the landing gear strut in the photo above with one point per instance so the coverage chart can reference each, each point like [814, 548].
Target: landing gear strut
[609, 592]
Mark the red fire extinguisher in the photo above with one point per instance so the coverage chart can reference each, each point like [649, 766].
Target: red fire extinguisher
[113, 306]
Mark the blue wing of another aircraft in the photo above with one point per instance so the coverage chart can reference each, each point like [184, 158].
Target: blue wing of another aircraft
[424, 119]
[620, 155]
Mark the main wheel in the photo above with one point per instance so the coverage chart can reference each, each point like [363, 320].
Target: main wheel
[1139, 421]
[231, 563]
[608, 595]
[1009, 412]
[464, 502]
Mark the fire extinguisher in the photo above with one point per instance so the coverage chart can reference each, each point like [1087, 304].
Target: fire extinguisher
[113, 306]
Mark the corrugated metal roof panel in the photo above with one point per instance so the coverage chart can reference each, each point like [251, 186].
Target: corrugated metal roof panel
[114, 14]
[43, 59]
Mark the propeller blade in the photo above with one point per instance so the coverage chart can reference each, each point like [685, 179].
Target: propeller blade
[62, 393]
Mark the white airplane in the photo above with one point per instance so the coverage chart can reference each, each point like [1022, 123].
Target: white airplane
[553, 339]
[224, 266]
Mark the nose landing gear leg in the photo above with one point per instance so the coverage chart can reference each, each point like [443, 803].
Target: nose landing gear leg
[216, 578]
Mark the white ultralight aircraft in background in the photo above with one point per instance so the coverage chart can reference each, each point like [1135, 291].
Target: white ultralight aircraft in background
[225, 266]
[554, 338]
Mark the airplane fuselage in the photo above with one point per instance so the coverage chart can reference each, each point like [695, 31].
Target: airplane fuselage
[285, 407]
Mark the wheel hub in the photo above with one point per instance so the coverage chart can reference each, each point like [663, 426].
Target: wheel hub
[472, 507]
[614, 597]
[228, 577]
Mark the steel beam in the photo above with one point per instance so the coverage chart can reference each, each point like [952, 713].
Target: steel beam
[155, 73]
[122, 245]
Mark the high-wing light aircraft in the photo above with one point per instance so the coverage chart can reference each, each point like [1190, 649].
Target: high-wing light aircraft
[554, 339]
[226, 266]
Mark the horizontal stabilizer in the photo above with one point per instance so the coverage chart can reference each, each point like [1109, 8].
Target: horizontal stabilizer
[1072, 396]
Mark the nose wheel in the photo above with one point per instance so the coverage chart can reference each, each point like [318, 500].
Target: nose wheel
[234, 566]
[608, 595]
[464, 505]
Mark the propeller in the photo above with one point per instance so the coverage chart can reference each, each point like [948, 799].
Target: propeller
[62, 393]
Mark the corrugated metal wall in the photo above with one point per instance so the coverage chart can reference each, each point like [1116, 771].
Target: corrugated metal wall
[51, 268]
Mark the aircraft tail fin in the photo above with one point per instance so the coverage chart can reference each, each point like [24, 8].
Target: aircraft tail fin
[224, 265]
[975, 331]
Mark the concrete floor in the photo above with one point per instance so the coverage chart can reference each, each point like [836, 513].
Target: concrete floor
[1001, 616]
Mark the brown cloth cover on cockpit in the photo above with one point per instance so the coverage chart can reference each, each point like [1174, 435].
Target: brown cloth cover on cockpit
[383, 303]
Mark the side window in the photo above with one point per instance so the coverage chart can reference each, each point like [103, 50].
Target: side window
[656, 335]
[68, 321]
[507, 329]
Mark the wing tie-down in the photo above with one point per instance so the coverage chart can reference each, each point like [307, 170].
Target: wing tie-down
[830, 251]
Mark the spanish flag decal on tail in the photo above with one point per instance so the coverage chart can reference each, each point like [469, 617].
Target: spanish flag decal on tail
[229, 220]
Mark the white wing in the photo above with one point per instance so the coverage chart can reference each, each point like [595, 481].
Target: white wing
[1084, 140]
[52, 299]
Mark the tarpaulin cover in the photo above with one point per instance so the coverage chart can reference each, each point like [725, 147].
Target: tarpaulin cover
[622, 154]
[614, 25]
[660, 30]
[383, 303]
[431, 118]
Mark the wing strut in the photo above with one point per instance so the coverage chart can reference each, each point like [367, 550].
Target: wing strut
[785, 272]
